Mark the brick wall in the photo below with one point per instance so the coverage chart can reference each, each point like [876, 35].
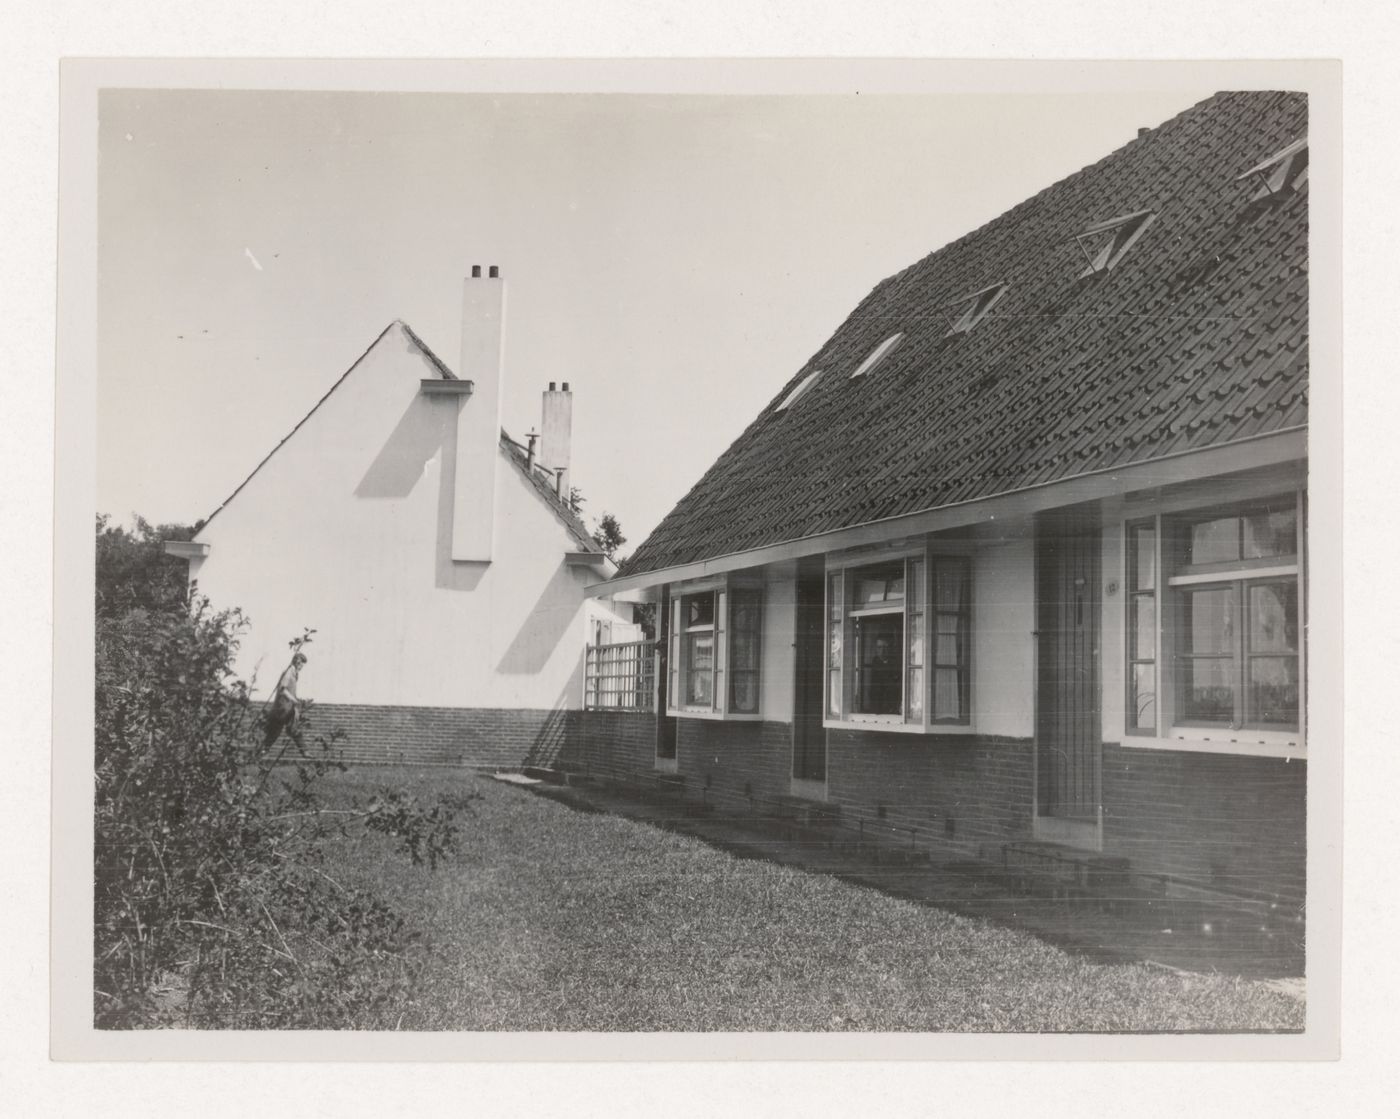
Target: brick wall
[496, 738]
[735, 762]
[612, 744]
[963, 790]
[1236, 822]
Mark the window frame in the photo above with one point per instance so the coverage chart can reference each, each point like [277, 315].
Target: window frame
[1174, 581]
[725, 592]
[919, 613]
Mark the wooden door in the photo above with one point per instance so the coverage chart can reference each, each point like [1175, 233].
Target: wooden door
[808, 735]
[1068, 700]
[665, 721]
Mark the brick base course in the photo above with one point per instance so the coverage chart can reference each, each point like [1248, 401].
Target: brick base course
[1233, 822]
[494, 738]
[1236, 823]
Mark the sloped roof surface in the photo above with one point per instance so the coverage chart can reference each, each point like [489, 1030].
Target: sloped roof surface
[1196, 338]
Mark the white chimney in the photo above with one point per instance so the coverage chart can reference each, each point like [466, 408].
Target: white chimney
[479, 415]
[556, 433]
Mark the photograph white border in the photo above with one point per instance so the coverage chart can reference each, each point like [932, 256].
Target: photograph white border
[73, 1037]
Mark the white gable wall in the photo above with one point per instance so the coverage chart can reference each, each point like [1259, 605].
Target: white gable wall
[347, 529]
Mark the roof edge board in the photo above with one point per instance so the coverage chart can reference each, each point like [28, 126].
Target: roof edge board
[1268, 449]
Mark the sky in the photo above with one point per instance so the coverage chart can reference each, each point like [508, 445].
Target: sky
[675, 258]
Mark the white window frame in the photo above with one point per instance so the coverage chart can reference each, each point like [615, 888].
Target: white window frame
[842, 569]
[720, 706]
[1172, 732]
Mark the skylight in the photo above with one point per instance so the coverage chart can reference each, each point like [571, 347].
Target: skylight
[1104, 243]
[796, 394]
[965, 313]
[878, 354]
[1284, 171]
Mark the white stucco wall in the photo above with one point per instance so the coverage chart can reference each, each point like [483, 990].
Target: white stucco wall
[779, 633]
[1003, 652]
[347, 529]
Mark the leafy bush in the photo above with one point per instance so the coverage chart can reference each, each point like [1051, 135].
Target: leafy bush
[212, 907]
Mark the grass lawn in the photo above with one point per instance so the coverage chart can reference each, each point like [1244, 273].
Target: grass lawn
[552, 919]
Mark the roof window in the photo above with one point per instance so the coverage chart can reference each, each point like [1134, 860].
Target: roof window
[802, 386]
[965, 313]
[878, 354]
[1282, 172]
[1104, 243]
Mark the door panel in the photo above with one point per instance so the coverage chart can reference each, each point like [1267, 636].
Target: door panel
[665, 722]
[808, 735]
[1068, 725]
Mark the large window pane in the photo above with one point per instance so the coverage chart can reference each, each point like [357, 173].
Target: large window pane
[879, 663]
[1210, 620]
[1271, 534]
[947, 694]
[746, 614]
[914, 654]
[835, 617]
[1214, 541]
[1143, 564]
[1273, 617]
[1144, 623]
[1273, 690]
[700, 669]
[700, 610]
[1142, 714]
[1208, 689]
[879, 586]
[948, 577]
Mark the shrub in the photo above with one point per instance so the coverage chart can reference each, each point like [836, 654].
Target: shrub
[212, 909]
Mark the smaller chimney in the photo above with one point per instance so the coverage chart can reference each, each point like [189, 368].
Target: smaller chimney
[556, 433]
[530, 437]
[559, 483]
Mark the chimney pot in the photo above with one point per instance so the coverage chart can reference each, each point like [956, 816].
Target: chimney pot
[1143, 132]
[476, 271]
[556, 433]
[495, 271]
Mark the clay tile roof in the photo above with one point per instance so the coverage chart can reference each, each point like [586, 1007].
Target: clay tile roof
[1196, 337]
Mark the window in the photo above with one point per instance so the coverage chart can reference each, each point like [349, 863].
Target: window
[1213, 630]
[877, 355]
[898, 643]
[1142, 627]
[715, 641]
[797, 393]
[1282, 172]
[965, 313]
[1104, 243]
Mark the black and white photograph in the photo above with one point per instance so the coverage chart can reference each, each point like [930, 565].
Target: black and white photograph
[806, 560]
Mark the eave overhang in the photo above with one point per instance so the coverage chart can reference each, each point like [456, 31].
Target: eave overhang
[186, 549]
[1272, 449]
